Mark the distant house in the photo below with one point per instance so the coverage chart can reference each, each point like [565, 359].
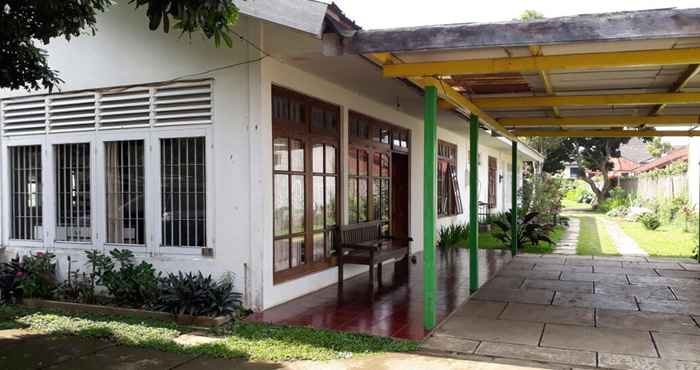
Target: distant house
[622, 167]
[675, 155]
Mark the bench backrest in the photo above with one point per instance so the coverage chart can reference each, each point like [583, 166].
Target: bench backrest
[361, 232]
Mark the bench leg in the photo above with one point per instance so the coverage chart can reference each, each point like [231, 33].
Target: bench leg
[340, 275]
[379, 274]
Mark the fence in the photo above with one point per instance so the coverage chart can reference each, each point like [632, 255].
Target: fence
[665, 187]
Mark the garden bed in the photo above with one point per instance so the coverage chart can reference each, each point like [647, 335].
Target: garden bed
[71, 307]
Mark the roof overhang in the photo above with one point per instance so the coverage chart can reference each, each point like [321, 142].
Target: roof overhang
[620, 74]
[302, 15]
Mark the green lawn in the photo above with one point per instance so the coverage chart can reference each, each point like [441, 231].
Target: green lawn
[488, 241]
[253, 341]
[572, 205]
[593, 238]
[667, 240]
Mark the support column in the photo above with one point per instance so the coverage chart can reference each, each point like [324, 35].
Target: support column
[429, 206]
[514, 200]
[473, 203]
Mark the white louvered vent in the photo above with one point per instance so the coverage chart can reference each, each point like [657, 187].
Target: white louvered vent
[24, 116]
[183, 103]
[74, 112]
[127, 109]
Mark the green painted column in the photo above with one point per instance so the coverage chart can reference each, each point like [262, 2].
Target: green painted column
[429, 206]
[473, 203]
[514, 200]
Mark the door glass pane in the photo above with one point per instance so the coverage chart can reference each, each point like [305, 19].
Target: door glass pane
[25, 189]
[281, 211]
[319, 247]
[330, 201]
[125, 193]
[297, 204]
[319, 208]
[377, 198]
[317, 158]
[353, 201]
[385, 165]
[281, 254]
[281, 154]
[363, 213]
[330, 243]
[330, 159]
[363, 162]
[352, 162]
[297, 149]
[298, 253]
[385, 201]
[73, 217]
[376, 164]
[317, 118]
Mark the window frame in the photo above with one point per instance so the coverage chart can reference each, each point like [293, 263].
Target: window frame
[452, 207]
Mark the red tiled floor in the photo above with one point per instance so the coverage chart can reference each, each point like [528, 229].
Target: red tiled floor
[397, 308]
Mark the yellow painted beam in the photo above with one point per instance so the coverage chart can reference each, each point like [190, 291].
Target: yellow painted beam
[688, 75]
[546, 63]
[602, 133]
[446, 94]
[602, 121]
[612, 99]
[537, 51]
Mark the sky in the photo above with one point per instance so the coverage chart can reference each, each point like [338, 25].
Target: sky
[372, 14]
[375, 14]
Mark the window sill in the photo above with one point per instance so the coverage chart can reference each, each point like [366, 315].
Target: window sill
[302, 271]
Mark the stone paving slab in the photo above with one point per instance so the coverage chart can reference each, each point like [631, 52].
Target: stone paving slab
[617, 361]
[34, 352]
[671, 259]
[475, 308]
[560, 285]
[507, 282]
[653, 321]
[683, 274]
[665, 281]
[682, 307]
[205, 363]
[534, 353]
[678, 346]
[506, 331]
[548, 275]
[691, 266]
[531, 259]
[597, 277]
[562, 268]
[653, 265]
[125, 358]
[630, 342]
[687, 294]
[594, 301]
[446, 343]
[620, 258]
[626, 270]
[539, 296]
[594, 263]
[549, 314]
[515, 265]
[639, 291]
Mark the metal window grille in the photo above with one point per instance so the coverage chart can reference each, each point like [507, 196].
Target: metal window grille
[183, 192]
[73, 210]
[125, 192]
[25, 189]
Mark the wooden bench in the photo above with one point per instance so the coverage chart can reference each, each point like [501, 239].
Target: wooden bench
[363, 244]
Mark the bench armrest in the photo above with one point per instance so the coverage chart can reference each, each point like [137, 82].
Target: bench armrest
[365, 247]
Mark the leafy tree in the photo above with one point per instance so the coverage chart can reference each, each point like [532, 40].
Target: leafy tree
[25, 24]
[529, 15]
[554, 158]
[657, 147]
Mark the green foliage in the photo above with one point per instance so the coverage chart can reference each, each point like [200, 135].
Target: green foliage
[10, 287]
[26, 23]
[673, 169]
[195, 294]
[36, 275]
[650, 221]
[451, 235]
[617, 198]
[529, 15]
[578, 191]
[529, 231]
[656, 147]
[542, 195]
[78, 287]
[129, 284]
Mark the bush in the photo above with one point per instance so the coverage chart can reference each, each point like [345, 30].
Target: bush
[450, 235]
[77, 287]
[529, 231]
[650, 221]
[542, 196]
[620, 211]
[197, 295]
[129, 284]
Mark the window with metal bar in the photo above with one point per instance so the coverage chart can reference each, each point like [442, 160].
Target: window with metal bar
[73, 209]
[25, 193]
[125, 192]
[183, 192]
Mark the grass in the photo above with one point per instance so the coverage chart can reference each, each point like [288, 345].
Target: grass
[574, 206]
[488, 241]
[667, 240]
[254, 341]
[593, 238]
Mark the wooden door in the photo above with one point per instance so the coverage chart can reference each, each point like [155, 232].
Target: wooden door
[399, 195]
[493, 170]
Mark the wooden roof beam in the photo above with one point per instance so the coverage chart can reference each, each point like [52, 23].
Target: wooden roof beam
[610, 99]
[545, 63]
[601, 121]
[688, 75]
[603, 133]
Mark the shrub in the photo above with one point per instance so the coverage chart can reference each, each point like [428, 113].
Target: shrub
[650, 221]
[195, 294]
[78, 287]
[450, 235]
[542, 195]
[529, 231]
[620, 211]
[129, 284]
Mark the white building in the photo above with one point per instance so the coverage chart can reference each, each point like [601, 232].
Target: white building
[193, 156]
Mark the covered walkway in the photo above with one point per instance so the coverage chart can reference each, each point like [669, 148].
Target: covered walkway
[607, 312]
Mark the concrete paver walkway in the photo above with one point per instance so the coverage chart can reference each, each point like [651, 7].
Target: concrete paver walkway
[569, 241]
[626, 246]
[582, 311]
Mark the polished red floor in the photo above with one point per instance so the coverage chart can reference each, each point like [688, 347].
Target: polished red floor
[397, 308]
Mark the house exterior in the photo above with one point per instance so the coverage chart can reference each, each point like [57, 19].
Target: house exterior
[679, 154]
[240, 160]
